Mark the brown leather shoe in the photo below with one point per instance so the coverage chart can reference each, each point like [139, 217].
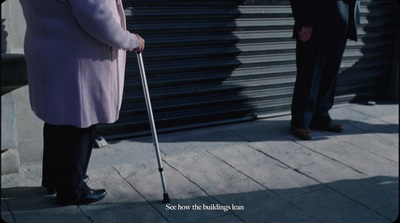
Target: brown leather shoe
[302, 133]
[333, 127]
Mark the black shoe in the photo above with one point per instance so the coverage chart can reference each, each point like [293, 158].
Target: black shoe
[92, 196]
[302, 133]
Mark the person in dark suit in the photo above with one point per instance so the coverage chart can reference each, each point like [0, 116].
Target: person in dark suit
[321, 30]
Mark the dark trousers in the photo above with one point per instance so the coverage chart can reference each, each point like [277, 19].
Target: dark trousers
[318, 61]
[66, 156]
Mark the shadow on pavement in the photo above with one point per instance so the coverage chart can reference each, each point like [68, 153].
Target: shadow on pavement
[271, 130]
[361, 200]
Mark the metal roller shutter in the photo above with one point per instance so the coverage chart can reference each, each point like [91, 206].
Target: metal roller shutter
[214, 62]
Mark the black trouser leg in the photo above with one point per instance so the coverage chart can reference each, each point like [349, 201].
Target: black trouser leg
[305, 63]
[49, 167]
[317, 62]
[67, 153]
[89, 150]
[327, 88]
[310, 60]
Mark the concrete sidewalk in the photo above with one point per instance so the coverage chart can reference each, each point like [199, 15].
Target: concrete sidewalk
[247, 172]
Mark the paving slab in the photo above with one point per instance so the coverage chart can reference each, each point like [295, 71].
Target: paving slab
[30, 175]
[263, 169]
[6, 214]
[246, 172]
[41, 208]
[213, 176]
[391, 134]
[125, 151]
[266, 206]
[316, 166]
[377, 144]
[122, 212]
[118, 189]
[382, 109]
[184, 193]
[373, 193]
[391, 212]
[358, 159]
[263, 130]
[328, 206]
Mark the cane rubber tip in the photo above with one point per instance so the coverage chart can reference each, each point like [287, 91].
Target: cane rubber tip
[166, 199]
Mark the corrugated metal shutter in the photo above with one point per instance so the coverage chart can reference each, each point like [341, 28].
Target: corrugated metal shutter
[213, 62]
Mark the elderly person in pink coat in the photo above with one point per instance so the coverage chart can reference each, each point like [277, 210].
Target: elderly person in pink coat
[75, 53]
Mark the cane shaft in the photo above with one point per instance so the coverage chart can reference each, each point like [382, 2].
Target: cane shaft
[151, 119]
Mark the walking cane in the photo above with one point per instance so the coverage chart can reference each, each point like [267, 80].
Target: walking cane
[166, 198]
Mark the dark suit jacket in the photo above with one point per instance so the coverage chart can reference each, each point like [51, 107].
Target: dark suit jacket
[328, 18]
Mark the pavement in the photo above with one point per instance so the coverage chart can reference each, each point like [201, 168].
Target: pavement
[253, 171]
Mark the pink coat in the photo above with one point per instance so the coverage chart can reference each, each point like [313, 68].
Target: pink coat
[75, 54]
